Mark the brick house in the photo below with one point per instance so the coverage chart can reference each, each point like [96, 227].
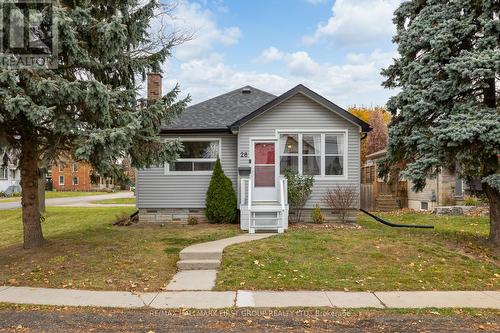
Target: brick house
[68, 175]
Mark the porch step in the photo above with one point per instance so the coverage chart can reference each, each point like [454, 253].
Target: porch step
[386, 203]
[191, 255]
[270, 209]
[198, 264]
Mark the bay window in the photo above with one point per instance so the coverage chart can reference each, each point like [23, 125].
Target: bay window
[334, 154]
[198, 156]
[289, 153]
[316, 154]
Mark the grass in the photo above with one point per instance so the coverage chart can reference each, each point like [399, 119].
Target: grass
[85, 251]
[55, 194]
[453, 256]
[119, 201]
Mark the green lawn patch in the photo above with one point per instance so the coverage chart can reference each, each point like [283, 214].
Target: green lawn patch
[55, 194]
[118, 201]
[85, 251]
[376, 257]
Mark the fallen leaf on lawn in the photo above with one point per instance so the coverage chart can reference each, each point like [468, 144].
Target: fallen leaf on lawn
[267, 317]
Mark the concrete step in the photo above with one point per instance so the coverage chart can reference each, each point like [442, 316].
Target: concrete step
[200, 255]
[198, 264]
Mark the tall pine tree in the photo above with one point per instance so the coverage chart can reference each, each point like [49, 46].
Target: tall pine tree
[87, 106]
[447, 109]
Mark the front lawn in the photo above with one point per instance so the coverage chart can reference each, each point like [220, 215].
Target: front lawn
[55, 194]
[117, 201]
[85, 251]
[375, 257]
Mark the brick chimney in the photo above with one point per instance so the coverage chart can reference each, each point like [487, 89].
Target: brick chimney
[154, 86]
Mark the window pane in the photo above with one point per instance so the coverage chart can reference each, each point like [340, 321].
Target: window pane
[200, 149]
[334, 165]
[311, 144]
[334, 144]
[264, 176]
[311, 165]
[264, 153]
[289, 144]
[203, 166]
[289, 162]
[181, 166]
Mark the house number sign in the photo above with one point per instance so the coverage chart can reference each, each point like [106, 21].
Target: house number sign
[243, 154]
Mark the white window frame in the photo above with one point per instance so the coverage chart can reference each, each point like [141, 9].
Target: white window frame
[322, 132]
[191, 173]
[4, 172]
[73, 181]
[74, 167]
[61, 183]
[60, 166]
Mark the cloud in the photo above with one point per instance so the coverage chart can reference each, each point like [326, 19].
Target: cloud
[357, 23]
[200, 21]
[356, 81]
[269, 55]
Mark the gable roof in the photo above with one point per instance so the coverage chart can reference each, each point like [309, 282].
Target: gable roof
[219, 113]
[228, 112]
[301, 89]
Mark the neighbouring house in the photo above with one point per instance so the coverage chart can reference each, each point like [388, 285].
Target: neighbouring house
[10, 175]
[257, 136]
[68, 175]
[444, 190]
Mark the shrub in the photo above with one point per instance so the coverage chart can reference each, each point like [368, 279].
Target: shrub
[471, 201]
[340, 199]
[317, 215]
[299, 191]
[221, 198]
[192, 220]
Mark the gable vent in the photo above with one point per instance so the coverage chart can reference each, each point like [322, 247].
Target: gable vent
[246, 91]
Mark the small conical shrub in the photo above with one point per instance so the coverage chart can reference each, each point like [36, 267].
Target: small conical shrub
[221, 198]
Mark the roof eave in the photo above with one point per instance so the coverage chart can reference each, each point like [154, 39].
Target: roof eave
[166, 131]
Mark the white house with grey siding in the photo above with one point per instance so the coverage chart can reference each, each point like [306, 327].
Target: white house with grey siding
[257, 136]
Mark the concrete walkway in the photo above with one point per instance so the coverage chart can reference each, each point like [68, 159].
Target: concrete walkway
[199, 263]
[85, 201]
[252, 299]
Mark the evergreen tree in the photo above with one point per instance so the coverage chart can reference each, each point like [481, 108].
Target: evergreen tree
[87, 106]
[447, 109]
[221, 198]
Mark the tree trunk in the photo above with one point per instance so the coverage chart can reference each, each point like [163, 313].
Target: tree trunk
[33, 236]
[494, 199]
[41, 192]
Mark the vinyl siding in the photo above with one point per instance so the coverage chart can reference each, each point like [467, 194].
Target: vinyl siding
[155, 189]
[301, 113]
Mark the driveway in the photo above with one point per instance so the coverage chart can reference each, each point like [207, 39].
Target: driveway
[75, 201]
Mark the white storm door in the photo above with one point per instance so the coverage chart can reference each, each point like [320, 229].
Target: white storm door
[264, 171]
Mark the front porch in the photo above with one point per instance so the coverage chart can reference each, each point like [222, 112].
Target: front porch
[263, 216]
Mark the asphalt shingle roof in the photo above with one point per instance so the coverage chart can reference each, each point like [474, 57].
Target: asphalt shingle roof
[221, 111]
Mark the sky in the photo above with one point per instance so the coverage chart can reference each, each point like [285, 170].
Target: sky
[335, 47]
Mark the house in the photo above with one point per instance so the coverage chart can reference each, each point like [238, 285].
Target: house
[10, 176]
[444, 190]
[69, 175]
[257, 136]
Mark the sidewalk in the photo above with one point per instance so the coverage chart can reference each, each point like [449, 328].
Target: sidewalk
[251, 299]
